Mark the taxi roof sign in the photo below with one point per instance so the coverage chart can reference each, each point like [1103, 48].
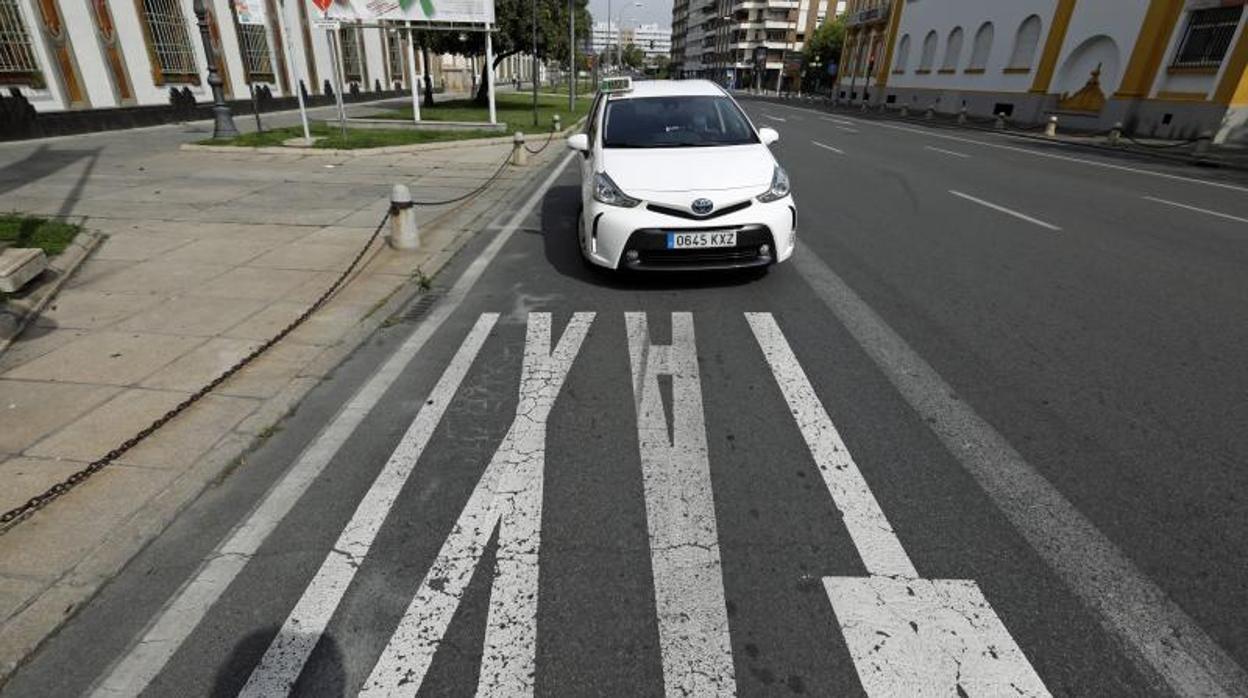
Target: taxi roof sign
[616, 84]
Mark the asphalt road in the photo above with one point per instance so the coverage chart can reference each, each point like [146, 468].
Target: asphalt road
[984, 433]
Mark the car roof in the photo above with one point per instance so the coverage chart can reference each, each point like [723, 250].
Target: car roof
[670, 88]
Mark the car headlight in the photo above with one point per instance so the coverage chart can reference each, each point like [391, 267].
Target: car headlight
[779, 186]
[605, 192]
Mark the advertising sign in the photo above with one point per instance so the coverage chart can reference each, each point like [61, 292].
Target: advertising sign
[249, 11]
[467, 11]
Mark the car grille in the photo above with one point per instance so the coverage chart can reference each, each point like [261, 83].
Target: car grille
[727, 257]
[680, 213]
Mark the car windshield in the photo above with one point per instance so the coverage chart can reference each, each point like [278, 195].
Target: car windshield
[675, 122]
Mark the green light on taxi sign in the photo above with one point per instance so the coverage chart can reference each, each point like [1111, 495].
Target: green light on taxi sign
[619, 84]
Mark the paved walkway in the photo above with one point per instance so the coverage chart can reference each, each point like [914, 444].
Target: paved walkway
[207, 256]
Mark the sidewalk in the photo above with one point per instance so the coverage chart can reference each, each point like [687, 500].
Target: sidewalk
[207, 256]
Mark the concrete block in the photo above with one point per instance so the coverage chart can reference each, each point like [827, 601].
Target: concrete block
[18, 265]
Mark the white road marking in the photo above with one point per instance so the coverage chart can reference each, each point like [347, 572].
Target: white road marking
[1162, 638]
[774, 118]
[1027, 151]
[839, 122]
[825, 146]
[680, 514]
[508, 498]
[848, 129]
[954, 153]
[183, 612]
[906, 635]
[1007, 211]
[1197, 209]
[288, 652]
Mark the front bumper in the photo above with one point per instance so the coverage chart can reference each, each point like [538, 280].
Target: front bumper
[610, 234]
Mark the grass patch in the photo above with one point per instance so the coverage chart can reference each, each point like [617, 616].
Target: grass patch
[331, 137]
[31, 231]
[514, 109]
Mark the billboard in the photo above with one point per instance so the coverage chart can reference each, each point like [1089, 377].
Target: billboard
[463, 11]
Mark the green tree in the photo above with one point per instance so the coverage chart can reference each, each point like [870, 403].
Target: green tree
[824, 46]
[633, 56]
[513, 23]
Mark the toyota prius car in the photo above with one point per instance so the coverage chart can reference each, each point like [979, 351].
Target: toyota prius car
[675, 177]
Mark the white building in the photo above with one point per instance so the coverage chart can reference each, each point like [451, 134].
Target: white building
[1170, 68]
[72, 55]
[652, 39]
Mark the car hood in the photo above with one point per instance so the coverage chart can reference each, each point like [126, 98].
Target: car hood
[642, 171]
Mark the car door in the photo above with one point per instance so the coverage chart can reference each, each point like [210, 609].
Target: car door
[586, 161]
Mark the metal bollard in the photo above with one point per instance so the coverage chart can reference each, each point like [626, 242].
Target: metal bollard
[1000, 123]
[1203, 143]
[519, 156]
[557, 126]
[1115, 134]
[1050, 129]
[962, 116]
[905, 111]
[930, 113]
[404, 235]
[864, 107]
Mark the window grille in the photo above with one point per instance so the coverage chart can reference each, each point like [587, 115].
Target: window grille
[169, 43]
[352, 65]
[257, 60]
[394, 44]
[17, 55]
[1208, 37]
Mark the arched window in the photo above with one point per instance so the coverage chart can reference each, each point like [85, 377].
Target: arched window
[982, 47]
[1025, 44]
[929, 52]
[953, 50]
[903, 55]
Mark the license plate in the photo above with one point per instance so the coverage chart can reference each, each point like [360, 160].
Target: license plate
[711, 238]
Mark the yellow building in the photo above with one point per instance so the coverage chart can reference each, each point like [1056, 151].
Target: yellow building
[1166, 68]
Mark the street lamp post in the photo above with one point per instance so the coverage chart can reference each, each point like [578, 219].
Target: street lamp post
[571, 57]
[223, 120]
[534, 62]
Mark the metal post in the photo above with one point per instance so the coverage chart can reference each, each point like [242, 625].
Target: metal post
[489, 69]
[572, 57]
[404, 233]
[1115, 134]
[606, 53]
[333, 58]
[534, 62]
[222, 119]
[296, 74]
[1050, 128]
[415, 79]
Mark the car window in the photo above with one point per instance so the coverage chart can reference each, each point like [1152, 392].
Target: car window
[675, 122]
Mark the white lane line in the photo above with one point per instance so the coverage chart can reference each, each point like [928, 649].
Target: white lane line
[774, 118]
[680, 514]
[1197, 209]
[1162, 638]
[285, 657]
[1007, 211]
[1067, 158]
[825, 146]
[954, 153]
[183, 612]
[838, 122]
[906, 635]
[848, 129]
[877, 544]
[508, 498]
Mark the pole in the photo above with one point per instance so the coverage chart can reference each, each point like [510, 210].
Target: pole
[489, 70]
[411, 69]
[607, 51]
[535, 62]
[222, 119]
[296, 73]
[333, 58]
[571, 58]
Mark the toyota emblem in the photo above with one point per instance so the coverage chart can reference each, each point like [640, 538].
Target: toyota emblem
[702, 206]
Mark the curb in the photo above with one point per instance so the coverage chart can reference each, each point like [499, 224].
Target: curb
[42, 617]
[384, 150]
[17, 314]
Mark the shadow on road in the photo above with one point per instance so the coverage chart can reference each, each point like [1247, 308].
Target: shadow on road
[558, 229]
[324, 675]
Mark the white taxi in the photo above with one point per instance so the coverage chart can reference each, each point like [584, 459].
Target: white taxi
[674, 176]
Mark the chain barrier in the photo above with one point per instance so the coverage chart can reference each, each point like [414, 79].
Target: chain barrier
[12, 517]
[550, 137]
[1178, 144]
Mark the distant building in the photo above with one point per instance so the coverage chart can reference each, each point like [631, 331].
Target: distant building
[652, 39]
[1170, 68]
[743, 42]
[69, 56]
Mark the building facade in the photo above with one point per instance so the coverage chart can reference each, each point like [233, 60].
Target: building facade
[652, 39]
[1165, 68]
[743, 43]
[89, 55]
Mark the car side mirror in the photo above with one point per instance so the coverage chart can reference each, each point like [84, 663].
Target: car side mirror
[579, 142]
[768, 135]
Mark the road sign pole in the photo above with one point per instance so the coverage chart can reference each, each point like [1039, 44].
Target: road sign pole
[489, 70]
[333, 58]
[415, 79]
[295, 69]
